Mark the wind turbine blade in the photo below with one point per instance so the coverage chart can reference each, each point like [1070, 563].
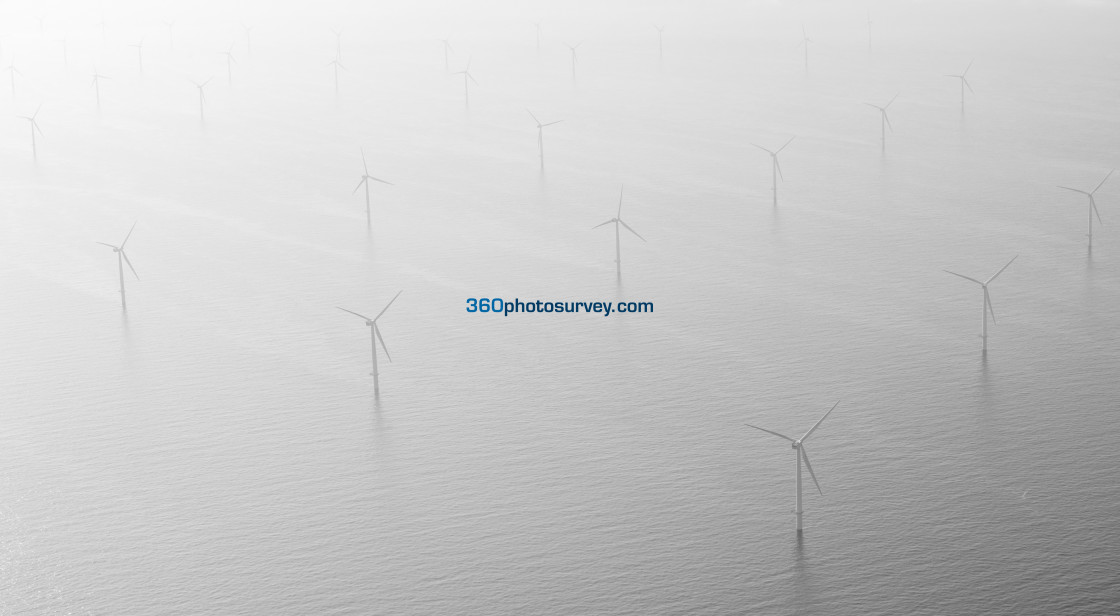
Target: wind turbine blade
[128, 235]
[820, 420]
[387, 305]
[784, 146]
[123, 254]
[363, 181]
[805, 456]
[763, 149]
[875, 106]
[595, 227]
[631, 230]
[967, 67]
[892, 100]
[888, 119]
[1075, 190]
[967, 85]
[1093, 204]
[1103, 181]
[988, 303]
[534, 117]
[771, 432]
[965, 277]
[354, 313]
[364, 167]
[382, 341]
[1001, 270]
[109, 245]
[379, 180]
[619, 214]
[551, 123]
[471, 77]
[778, 166]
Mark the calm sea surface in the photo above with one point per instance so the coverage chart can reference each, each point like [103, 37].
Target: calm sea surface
[218, 449]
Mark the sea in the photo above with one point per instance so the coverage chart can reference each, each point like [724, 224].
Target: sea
[218, 448]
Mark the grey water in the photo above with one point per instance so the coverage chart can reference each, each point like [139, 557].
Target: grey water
[218, 448]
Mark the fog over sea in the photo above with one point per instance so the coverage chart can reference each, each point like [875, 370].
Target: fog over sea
[218, 448]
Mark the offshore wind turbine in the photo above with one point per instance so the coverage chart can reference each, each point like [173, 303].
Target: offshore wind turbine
[12, 71]
[987, 306]
[660, 47]
[776, 169]
[446, 59]
[964, 83]
[466, 73]
[375, 337]
[573, 50]
[122, 258]
[805, 40]
[230, 61]
[802, 454]
[617, 220]
[884, 121]
[170, 36]
[139, 54]
[337, 43]
[366, 177]
[540, 134]
[1092, 205]
[248, 40]
[34, 127]
[201, 98]
[337, 65]
[97, 77]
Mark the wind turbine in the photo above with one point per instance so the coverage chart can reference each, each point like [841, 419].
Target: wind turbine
[230, 61]
[964, 82]
[1092, 205]
[884, 121]
[12, 71]
[446, 61]
[248, 40]
[34, 127]
[660, 48]
[805, 40]
[617, 220]
[337, 65]
[466, 73]
[375, 337]
[337, 43]
[802, 454]
[540, 134]
[139, 54]
[170, 38]
[987, 307]
[573, 49]
[201, 98]
[122, 258]
[366, 177]
[776, 169]
[97, 77]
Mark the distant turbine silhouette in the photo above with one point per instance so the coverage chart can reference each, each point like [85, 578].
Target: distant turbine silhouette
[248, 40]
[65, 54]
[122, 258]
[139, 54]
[337, 44]
[366, 177]
[337, 65]
[964, 83]
[34, 128]
[466, 73]
[573, 50]
[201, 98]
[617, 220]
[660, 47]
[805, 40]
[375, 337]
[230, 61]
[802, 454]
[446, 61]
[884, 121]
[540, 134]
[12, 72]
[987, 306]
[1092, 205]
[170, 36]
[97, 77]
[776, 169]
